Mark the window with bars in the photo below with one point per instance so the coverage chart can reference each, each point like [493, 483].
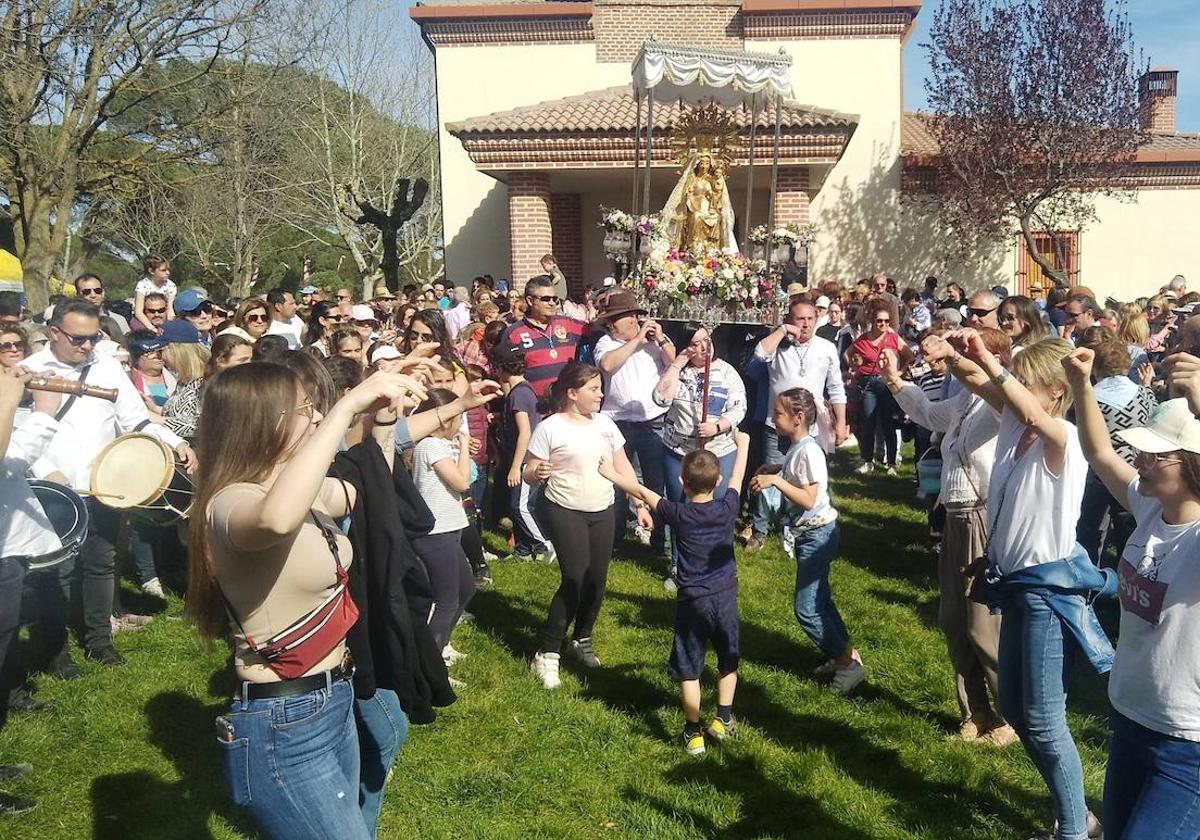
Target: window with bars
[1061, 249]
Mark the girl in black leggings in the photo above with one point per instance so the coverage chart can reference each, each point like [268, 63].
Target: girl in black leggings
[576, 510]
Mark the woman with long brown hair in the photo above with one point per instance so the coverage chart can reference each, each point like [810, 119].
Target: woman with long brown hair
[267, 558]
[251, 319]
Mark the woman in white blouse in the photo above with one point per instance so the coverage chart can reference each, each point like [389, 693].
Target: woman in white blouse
[968, 425]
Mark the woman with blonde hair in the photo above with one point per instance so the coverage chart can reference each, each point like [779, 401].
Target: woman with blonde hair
[268, 565]
[1160, 319]
[1133, 329]
[1039, 578]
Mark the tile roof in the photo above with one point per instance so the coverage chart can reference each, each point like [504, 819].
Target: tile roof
[612, 109]
[918, 141]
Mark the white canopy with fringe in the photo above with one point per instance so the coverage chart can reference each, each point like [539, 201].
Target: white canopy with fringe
[695, 74]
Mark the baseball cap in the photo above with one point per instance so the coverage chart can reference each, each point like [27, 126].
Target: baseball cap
[1172, 427]
[179, 332]
[189, 299]
[362, 312]
[308, 290]
[822, 302]
[383, 351]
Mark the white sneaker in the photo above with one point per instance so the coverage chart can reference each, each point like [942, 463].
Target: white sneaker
[847, 679]
[489, 557]
[670, 585]
[545, 666]
[865, 468]
[154, 587]
[551, 556]
[450, 655]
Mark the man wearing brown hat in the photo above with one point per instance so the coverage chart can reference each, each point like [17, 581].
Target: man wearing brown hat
[632, 358]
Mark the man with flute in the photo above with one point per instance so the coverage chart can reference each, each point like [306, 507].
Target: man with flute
[86, 425]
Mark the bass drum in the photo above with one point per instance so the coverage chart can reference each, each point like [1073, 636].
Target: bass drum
[68, 516]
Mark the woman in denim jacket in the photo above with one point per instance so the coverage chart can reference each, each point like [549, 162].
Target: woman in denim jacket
[1034, 498]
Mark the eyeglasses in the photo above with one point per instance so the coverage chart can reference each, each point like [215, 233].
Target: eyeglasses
[89, 292]
[152, 354]
[545, 298]
[10, 346]
[337, 319]
[1071, 316]
[202, 309]
[162, 311]
[255, 317]
[80, 340]
[883, 320]
[1158, 459]
[343, 297]
[305, 409]
[980, 313]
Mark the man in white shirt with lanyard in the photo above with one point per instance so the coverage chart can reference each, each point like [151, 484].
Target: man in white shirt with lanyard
[797, 358]
[632, 358]
[86, 426]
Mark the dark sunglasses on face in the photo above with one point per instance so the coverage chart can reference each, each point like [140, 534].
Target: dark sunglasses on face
[980, 313]
[80, 340]
[343, 297]
[256, 317]
[198, 311]
[545, 298]
[10, 346]
[418, 336]
[95, 291]
[162, 311]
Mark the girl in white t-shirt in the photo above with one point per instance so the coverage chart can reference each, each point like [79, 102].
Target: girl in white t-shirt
[803, 481]
[1152, 783]
[441, 471]
[576, 510]
[157, 279]
[1033, 503]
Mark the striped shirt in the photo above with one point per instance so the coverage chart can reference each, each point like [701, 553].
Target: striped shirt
[547, 351]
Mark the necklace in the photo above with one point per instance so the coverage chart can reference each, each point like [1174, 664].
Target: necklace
[804, 356]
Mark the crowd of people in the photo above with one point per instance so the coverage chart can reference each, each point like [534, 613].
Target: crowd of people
[348, 456]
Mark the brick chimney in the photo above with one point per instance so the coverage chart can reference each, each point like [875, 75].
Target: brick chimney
[1157, 90]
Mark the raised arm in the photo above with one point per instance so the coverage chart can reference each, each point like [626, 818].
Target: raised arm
[971, 375]
[1093, 433]
[739, 461]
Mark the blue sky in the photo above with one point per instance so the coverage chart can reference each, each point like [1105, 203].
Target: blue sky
[1167, 31]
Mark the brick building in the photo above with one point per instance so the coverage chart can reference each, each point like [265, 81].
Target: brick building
[537, 118]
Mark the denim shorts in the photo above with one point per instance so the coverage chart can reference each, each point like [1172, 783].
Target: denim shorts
[698, 621]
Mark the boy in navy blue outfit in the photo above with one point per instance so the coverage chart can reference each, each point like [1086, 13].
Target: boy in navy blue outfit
[706, 605]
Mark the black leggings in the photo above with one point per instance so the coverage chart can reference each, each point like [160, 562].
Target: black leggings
[583, 542]
[451, 579]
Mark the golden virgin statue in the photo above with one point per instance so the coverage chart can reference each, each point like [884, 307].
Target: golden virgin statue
[698, 215]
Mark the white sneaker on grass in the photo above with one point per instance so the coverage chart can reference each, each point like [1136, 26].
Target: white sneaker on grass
[866, 467]
[551, 556]
[154, 587]
[545, 667]
[847, 679]
[489, 557]
[450, 655]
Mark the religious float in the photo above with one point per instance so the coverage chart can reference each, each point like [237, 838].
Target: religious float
[683, 260]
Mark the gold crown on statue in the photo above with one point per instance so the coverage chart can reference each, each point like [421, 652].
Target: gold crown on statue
[707, 128]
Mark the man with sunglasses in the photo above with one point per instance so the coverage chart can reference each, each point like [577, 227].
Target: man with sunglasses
[155, 306]
[193, 306]
[86, 426]
[982, 310]
[548, 340]
[1082, 312]
[90, 287]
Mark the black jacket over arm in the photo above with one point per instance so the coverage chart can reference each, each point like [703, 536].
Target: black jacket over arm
[391, 642]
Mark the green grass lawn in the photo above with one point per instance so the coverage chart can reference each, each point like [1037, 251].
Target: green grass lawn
[127, 752]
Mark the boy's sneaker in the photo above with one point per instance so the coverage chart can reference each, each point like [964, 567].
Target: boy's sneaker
[693, 742]
[847, 679]
[826, 670]
[865, 468]
[670, 585]
[450, 655]
[489, 557]
[545, 667]
[154, 587]
[581, 650]
[722, 729]
[519, 558]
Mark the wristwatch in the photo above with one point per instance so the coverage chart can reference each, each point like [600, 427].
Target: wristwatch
[664, 341]
[1000, 378]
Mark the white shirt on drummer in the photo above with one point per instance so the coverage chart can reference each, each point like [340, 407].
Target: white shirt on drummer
[629, 390]
[92, 423]
[1155, 679]
[813, 366]
[574, 451]
[1032, 511]
[24, 528]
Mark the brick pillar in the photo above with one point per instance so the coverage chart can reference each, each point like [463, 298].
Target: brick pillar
[528, 224]
[791, 196]
[567, 235]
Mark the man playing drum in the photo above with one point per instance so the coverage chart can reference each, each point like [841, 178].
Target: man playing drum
[24, 532]
[86, 426]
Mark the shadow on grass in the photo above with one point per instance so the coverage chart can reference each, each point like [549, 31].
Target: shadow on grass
[923, 607]
[139, 804]
[767, 809]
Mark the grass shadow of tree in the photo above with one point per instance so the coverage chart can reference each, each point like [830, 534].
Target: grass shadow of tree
[138, 804]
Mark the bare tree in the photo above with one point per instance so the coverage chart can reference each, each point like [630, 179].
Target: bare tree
[66, 71]
[1036, 113]
[365, 136]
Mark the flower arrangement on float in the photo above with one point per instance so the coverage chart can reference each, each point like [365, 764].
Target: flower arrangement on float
[724, 278]
[615, 221]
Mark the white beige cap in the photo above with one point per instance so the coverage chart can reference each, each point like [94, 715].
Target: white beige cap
[1172, 427]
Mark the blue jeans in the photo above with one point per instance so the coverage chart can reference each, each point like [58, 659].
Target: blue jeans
[1035, 661]
[1152, 784]
[672, 466]
[877, 421]
[382, 730]
[774, 449]
[477, 491]
[644, 448]
[815, 610]
[293, 762]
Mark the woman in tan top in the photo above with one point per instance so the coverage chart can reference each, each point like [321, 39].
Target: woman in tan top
[268, 561]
